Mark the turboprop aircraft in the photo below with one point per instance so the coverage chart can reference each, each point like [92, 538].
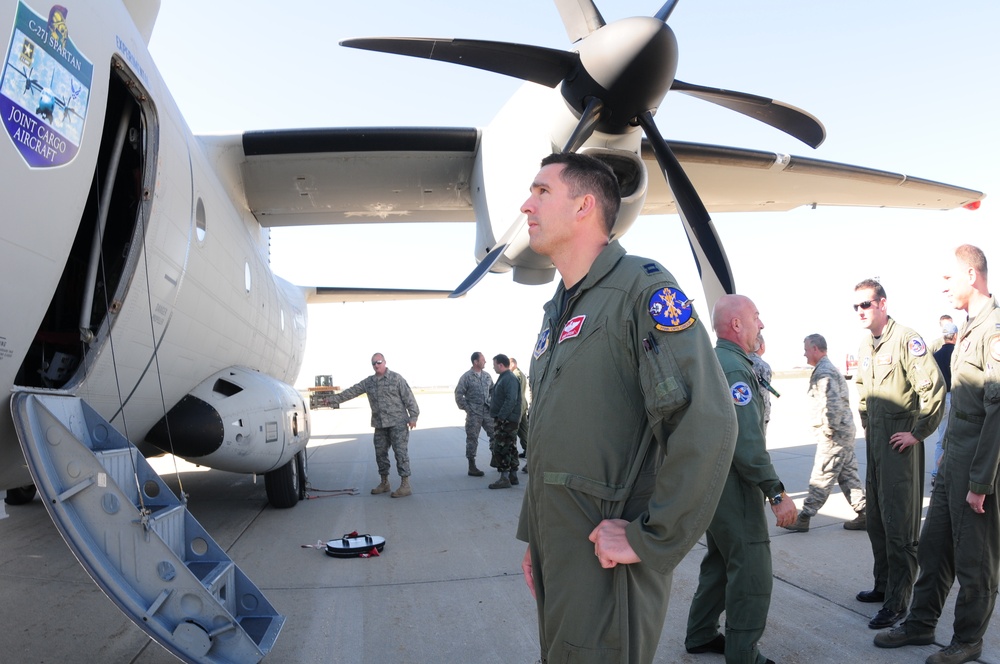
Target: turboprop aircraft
[144, 317]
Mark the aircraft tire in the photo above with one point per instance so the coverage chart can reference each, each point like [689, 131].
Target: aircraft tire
[300, 462]
[21, 495]
[283, 484]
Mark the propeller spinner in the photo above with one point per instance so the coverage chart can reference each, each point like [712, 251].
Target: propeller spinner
[614, 81]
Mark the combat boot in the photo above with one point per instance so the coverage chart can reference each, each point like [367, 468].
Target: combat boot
[502, 483]
[512, 476]
[957, 653]
[801, 524]
[473, 471]
[860, 522]
[383, 487]
[404, 488]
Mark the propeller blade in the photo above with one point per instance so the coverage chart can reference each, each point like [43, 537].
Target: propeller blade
[491, 258]
[588, 120]
[717, 279]
[545, 66]
[667, 9]
[581, 17]
[793, 121]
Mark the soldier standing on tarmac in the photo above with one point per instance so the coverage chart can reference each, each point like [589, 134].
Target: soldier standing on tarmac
[394, 413]
[472, 394]
[961, 536]
[901, 401]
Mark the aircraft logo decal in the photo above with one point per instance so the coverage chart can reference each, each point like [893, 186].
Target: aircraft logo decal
[671, 310]
[45, 88]
[572, 328]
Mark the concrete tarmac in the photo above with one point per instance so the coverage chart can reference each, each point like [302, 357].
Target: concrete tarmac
[448, 586]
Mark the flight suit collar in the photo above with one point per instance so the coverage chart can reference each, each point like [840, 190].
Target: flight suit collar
[977, 320]
[890, 324]
[735, 348]
[602, 265]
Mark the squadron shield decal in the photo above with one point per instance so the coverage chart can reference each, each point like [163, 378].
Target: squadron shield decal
[45, 88]
[671, 310]
[742, 394]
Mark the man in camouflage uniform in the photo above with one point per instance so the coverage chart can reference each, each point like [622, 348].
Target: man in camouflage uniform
[472, 394]
[505, 409]
[834, 425]
[961, 536]
[623, 478]
[901, 401]
[394, 413]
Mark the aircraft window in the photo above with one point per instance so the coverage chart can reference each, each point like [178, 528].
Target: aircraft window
[247, 276]
[199, 220]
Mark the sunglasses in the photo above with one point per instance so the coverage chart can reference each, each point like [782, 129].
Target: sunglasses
[378, 362]
[867, 304]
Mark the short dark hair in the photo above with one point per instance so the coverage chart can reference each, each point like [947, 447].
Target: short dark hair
[502, 360]
[874, 285]
[584, 174]
[476, 356]
[817, 341]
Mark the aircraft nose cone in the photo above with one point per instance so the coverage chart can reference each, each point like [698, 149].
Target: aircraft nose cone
[630, 65]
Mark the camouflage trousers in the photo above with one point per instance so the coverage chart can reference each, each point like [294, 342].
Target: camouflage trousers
[835, 464]
[398, 438]
[504, 445]
[474, 421]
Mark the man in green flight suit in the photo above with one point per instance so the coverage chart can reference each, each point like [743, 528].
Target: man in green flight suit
[631, 436]
[736, 570]
[961, 536]
[901, 402]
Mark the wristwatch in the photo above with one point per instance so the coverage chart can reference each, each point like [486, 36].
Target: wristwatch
[775, 500]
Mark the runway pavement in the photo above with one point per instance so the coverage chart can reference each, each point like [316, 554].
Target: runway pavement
[448, 586]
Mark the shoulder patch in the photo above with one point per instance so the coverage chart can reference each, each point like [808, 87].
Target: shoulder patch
[742, 395]
[995, 347]
[917, 347]
[671, 310]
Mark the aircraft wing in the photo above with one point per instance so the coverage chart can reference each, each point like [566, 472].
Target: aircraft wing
[334, 295]
[740, 180]
[358, 175]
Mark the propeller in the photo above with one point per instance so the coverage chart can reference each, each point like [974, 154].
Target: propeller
[615, 80]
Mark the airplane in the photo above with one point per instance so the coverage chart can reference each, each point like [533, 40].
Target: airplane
[151, 321]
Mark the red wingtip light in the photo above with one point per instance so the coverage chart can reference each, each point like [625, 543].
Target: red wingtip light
[974, 205]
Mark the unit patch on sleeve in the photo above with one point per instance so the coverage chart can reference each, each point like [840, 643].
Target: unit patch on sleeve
[917, 347]
[671, 310]
[741, 393]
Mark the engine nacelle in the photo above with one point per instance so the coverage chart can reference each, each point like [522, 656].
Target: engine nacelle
[237, 420]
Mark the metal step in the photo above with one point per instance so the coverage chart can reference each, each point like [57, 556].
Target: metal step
[150, 556]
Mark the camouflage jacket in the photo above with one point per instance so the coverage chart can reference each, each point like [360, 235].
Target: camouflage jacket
[390, 397]
[831, 403]
[472, 394]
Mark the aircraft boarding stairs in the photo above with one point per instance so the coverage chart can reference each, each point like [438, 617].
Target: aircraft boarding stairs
[152, 558]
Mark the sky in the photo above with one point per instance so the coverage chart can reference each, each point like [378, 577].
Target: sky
[908, 87]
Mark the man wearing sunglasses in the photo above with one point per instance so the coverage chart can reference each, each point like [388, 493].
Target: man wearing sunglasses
[901, 402]
[394, 413]
[961, 536]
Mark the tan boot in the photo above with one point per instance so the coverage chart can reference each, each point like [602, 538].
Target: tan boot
[383, 487]
[404, 488]
[801, 524]
[473, 471]
[860, 522]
